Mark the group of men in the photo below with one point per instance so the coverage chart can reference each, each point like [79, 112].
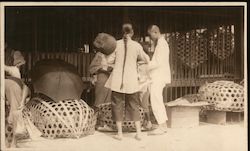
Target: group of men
[119, 82]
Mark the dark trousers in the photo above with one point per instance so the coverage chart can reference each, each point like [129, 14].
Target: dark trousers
[131, 106]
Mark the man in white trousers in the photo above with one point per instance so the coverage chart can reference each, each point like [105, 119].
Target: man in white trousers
[159, 71]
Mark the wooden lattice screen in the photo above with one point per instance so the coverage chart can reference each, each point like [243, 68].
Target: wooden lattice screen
[197, 56]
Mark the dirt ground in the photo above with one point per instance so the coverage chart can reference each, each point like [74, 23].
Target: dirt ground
[206, 137]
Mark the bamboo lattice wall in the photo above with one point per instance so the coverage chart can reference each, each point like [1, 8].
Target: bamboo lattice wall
[206, 44]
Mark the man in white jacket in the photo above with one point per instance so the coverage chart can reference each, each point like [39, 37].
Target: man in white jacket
[159, 71]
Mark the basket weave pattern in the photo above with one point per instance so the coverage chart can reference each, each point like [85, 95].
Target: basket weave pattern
[223, 95]
[105, 118]
[67, 118]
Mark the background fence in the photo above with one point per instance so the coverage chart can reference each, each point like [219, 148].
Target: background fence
[206, 43]
[197, 56]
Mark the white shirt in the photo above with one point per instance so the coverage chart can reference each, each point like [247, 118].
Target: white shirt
[159, 65]
[130, 79]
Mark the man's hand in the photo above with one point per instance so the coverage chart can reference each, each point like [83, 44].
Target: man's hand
[106, 71]
[27, 99]
[110, 69]
[21, 107]
[152, 65]
[94, 79]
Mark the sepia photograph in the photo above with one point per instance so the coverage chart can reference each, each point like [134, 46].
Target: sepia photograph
[123, 76]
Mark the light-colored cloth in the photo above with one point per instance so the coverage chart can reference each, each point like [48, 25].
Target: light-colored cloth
[20, 122]
[143, 77]
[160, 75]
[157, 103]
[100, 61]
[159, 65]
[13, 57]
[144, 83]
[12, 71]
[144, 97]
[130, 82]
[13, 93]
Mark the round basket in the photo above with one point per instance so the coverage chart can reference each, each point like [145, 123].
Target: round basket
[191, 47]
[67, 118]
[223, 96]
[105, 118]
[221, 42]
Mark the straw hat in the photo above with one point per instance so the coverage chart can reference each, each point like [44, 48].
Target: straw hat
[105, 43]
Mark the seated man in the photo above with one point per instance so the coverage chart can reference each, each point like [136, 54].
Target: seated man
[17, 94]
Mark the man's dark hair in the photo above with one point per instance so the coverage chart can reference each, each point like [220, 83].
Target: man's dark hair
[127, 28]
[154, 28]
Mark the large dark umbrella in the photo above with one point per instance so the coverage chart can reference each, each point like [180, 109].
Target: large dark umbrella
[56, 79]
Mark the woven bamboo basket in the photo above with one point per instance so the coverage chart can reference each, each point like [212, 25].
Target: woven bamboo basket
[221, 42]
[223, 96]
[191, 47]
[64, 119]
[105, 118]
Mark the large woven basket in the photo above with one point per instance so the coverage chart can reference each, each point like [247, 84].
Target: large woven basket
[67, 118]
[223, 96]
[105, 118]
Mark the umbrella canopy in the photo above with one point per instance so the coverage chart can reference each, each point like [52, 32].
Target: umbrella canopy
[56, 79]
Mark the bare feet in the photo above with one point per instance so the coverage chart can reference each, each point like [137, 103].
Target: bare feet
[105, 128]
[118, 137]
[149, 125]
[13, 143]
[138, 137]
[158, 131]
[164, 127]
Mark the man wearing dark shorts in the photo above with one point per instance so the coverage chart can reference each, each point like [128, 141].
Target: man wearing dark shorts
[123, 80]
